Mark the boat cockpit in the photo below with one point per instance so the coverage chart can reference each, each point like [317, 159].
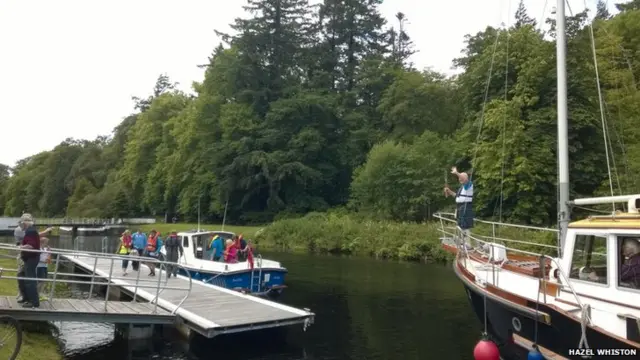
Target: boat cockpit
[198, 242]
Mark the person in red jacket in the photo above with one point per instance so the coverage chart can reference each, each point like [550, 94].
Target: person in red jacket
[28, 285]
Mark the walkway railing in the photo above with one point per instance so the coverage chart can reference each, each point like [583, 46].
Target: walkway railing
[88, 221]
[57, 276]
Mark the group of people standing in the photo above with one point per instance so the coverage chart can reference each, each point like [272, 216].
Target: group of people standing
[230, 251]
[141, 245]
[33, 261]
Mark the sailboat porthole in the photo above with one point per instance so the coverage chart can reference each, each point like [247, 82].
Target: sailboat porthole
[517, 325]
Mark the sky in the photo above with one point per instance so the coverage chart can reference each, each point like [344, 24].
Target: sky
[68, 68]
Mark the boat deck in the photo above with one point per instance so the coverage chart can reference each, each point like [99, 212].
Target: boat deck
[209, 310]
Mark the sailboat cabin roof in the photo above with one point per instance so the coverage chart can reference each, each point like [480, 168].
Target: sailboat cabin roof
[617, 221]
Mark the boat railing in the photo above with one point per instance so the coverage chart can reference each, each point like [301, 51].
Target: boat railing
[56, 275]
[563, 279]
[448, 227]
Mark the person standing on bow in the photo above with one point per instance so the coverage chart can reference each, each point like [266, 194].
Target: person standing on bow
[464, 201]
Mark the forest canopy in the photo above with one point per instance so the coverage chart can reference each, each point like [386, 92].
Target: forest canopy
[310, 108]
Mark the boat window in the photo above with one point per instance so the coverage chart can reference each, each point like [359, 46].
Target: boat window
[589, 260]
[185, 241]
[628, 262]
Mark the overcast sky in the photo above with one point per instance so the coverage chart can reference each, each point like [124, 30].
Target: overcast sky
[68, 68]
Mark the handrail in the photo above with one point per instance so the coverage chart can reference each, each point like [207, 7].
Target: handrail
[469, 235]
[554, 260]
[443, 218]
[139, 284]
[440, 215]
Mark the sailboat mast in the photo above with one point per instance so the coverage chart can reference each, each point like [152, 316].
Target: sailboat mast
[563, 127]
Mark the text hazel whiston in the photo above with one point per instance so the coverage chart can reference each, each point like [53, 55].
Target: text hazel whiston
[603, 352]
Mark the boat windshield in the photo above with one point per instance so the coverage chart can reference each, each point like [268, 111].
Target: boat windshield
[201, 243]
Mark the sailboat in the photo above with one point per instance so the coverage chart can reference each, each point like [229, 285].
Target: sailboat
[581, 304]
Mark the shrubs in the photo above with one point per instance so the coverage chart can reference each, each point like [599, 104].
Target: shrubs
[349, 234]
[339, 233]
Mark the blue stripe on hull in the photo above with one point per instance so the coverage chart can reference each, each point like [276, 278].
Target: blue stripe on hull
[241, 280]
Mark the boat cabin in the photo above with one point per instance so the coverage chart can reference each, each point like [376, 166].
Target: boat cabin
[594, 260]
[196, 243]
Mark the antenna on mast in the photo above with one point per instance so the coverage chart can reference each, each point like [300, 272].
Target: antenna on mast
[199, 212]
[224, 217]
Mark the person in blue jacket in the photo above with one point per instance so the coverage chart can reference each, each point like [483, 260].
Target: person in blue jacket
[138, 244]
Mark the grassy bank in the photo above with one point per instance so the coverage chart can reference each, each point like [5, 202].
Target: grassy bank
[341, 233]
[35, 345]
[247, 231]
[348, 234]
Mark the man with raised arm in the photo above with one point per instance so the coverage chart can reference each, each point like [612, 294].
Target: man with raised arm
[464, 201]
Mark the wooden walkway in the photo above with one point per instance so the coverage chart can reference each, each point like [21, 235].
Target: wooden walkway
[87, 311]
[209, 310]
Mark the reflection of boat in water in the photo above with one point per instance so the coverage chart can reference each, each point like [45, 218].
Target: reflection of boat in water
[265, 278]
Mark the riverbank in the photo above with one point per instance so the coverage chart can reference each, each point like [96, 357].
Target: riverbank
[165, 229]
[35, 345]
[349, 234]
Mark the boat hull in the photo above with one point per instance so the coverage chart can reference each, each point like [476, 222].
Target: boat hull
[272, 280]
[507, 322]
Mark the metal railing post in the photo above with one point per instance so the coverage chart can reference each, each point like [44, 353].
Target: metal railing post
[55, 276]
[93, 276]
[106, 298]
[135, 291]
[260, 273]
[155, 307]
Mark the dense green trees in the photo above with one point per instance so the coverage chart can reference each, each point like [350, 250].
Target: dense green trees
[306, 108]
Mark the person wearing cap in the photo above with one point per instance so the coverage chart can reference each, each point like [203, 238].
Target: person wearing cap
[174, 251]
[464, 201]
[31, 241]
[18, 235]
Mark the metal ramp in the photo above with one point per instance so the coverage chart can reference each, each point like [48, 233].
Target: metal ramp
[88, 308]
[209, 310]
[87, 311]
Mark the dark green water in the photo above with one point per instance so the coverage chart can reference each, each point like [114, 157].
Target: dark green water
[365, 309]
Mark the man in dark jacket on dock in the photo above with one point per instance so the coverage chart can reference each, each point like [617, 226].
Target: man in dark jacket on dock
[28, 285]
[174, 250]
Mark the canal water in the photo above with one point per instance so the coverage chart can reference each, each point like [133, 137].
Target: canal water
[365, 309]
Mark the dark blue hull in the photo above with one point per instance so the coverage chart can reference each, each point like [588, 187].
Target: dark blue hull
[269, 282]
[504, 320]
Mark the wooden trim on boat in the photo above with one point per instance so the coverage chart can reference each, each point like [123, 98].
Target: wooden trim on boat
[522, 264]
[528, 345]
[466, 272]
[506, 295]
[566, 302]
[549, 288]
[606, 301]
